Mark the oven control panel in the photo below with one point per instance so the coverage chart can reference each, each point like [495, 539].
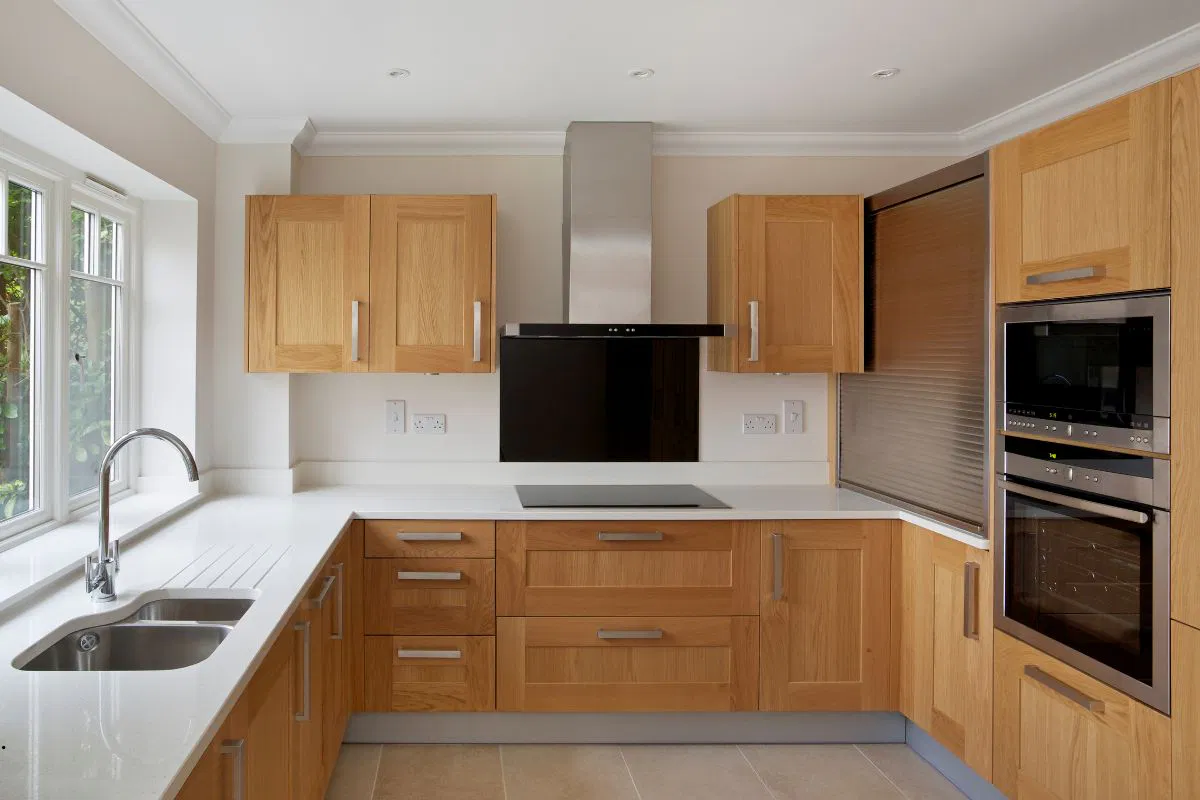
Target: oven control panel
[1151, 435]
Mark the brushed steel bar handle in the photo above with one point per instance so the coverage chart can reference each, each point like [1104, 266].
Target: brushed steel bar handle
[618, 536]
[971, 600]
[1063, 275]
[340, 569]
[477, 341]
[429, 537]
[237, 749]
[318, 602]
[429, 576]
[777, 565]
[446, 654]
[753, 330]
[354, 330]
[653, 633]
[1070, 692]
[1116, 512]
[306, 628]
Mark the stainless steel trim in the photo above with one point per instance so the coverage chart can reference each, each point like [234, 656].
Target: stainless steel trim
[653, 633]
[440, 654]
[318, 602]
[1066, 690]
[237, 749]
[455, 536]
[353, 330]
[753, 330]
[1063, 275]
[971, 600]
[1154, 491]
[777, 566]
[978, 531]
[306, 628]
[617, 536]
[477, 340]
[1155, 440]
[428, 576]
[340, 569]
[1078, 503]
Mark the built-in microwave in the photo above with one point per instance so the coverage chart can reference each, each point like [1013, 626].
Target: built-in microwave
[1090, 371]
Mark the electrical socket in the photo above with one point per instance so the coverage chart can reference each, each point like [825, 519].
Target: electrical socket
[759, 423]
[429, 423]
[395, 416]
[793, 416]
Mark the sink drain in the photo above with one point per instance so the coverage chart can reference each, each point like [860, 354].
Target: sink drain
[89, 642]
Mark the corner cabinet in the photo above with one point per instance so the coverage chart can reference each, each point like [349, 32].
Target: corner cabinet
[787, 272]
[381, 283]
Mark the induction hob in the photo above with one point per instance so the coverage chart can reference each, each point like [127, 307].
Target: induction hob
[620, 496]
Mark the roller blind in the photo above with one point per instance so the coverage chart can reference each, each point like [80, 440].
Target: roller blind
[913, 428]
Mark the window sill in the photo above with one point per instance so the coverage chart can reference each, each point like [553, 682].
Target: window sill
[27, 566]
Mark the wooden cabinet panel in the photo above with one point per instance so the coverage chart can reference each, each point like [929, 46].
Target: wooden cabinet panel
[430, 538]
[432, 261]
[626, 663]
[1185, 711]
[269, 709]
[696, 568]
[307, 263]
[1082, 206]
[1050, 744]
[433, 596]
[827, 640]
[430, 673]
[208, 779]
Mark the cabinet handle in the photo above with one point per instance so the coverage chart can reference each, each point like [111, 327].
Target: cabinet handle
[777, 565]
[318, 602]
[340, 569]
[654, 633]
[477, 340]
[306, 628]
[446, 654]
[971, 600]
[617, 536]
[429, 537]
[1070, 692]
[1063, 275]
[753, 330]
[237, 749]
[429, 576]
[354, 330]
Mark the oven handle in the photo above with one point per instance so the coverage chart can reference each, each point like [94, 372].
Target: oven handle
[1116, 512]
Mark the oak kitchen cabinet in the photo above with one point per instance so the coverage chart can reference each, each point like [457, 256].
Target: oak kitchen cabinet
[1083, 206]
[787, 272]
[381, 283]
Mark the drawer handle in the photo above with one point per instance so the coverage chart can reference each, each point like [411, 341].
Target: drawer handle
[1070, 692]
[753, 331]
[655, 633]
[1063, 275]
[429, 576]
[429, 537]
[447, 654]
[777, 566]
[237, 749]
[318, 602]
[617, 536]
[971, 600]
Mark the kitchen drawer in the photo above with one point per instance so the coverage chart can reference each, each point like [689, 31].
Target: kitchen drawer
[701, 568]
[627, 664]
[450, 596]
[388, 538]
[430, 673]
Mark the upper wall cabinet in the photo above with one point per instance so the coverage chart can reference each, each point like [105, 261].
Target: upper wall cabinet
[787, 271]
[307, 282]
[1082, 207]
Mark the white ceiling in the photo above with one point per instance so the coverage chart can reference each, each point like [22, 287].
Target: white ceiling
[723, 65]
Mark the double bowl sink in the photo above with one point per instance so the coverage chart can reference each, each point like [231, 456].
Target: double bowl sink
[161, 634]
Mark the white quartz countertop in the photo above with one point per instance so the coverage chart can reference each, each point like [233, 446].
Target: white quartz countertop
[133, 735]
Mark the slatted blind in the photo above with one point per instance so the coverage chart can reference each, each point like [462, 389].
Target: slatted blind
[913, 429]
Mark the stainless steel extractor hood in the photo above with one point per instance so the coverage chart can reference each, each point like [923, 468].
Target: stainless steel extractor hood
[606, 237]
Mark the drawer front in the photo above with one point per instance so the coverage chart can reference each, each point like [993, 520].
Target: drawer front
[450, 596]
[430, 673]
[386, 538]
[627, 568]
[627, 664]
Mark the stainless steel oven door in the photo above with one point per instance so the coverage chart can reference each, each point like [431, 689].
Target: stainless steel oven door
[1087, 581]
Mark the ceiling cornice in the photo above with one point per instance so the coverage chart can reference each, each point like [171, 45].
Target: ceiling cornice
[385, 141]
[295, 131]
[751, 143]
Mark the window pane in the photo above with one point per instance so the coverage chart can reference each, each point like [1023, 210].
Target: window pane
[90, 401]
[80, 222]
[16, 391]
[23, 220]
[110, 248]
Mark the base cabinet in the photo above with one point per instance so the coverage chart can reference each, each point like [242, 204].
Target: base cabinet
[430, 673]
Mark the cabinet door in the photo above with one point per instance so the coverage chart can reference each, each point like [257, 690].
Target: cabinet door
[268, 710]
[430, 673]
[335, 683]
[307, 283]
[826, 620]
[308, 752]
[432, 283]
[207, 780]
[1060, 734]
[800, 280]
[1185, 710]
[1082, 207]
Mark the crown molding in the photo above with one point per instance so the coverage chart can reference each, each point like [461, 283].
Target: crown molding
[712, 143]
[396, 142]
[112, 24]
[296, 132]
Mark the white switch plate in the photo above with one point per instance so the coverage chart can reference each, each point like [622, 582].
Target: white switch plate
[395, 416]
[793, 416]
[429, 423]
[759, 423]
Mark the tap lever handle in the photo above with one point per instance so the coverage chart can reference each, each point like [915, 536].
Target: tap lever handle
[114, 553]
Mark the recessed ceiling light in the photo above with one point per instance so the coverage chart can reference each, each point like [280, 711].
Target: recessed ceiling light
[398, 72]
[641, 73]
[883, 74]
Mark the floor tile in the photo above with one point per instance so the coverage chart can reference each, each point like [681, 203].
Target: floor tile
[354, 775]
[566, 772]
[704, 772]
[439, 772]
[801, 772]
[914, 775]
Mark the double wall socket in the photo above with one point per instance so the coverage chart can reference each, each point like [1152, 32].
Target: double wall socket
[759, 423]
[429, 423]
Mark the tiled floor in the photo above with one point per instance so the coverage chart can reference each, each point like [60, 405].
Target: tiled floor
[640, 772]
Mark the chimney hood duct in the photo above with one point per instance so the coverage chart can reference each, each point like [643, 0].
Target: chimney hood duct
[606, 237]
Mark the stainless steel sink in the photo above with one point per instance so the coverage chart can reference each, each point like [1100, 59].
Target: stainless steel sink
[194, 609]
[131, 646]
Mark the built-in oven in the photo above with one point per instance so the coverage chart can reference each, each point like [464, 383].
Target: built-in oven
[1092, 371]
[1083, 560]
